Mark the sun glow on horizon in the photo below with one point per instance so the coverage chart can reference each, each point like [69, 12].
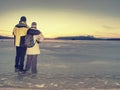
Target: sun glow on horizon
[56, 23]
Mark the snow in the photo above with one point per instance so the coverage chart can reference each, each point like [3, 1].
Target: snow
[65, 65]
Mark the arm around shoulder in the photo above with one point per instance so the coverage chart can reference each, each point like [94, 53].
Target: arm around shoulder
[33, 32]
[41, 37]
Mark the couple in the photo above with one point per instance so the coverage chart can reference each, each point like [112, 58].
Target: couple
[19, 32]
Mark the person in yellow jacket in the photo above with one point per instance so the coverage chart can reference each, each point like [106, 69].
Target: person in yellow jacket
[19, 33]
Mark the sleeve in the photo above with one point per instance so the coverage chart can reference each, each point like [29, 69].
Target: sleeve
[41, 37]
[14, 31]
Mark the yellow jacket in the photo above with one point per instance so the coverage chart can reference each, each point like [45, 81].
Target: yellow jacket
[19, 32]
[35, 50]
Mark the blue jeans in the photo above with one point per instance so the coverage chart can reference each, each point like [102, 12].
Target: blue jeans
[20, 55]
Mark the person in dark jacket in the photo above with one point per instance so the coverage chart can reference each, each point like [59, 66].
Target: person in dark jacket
[34, 51]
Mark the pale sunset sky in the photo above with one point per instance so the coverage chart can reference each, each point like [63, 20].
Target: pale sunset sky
[100, 18]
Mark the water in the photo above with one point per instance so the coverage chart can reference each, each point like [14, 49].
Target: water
[65, 65]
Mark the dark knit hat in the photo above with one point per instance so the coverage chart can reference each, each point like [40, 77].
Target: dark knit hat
[23, 18]
[34, 23]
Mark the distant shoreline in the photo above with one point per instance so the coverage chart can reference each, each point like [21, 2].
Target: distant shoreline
[6, 37]
[73, 38]
[86, 38]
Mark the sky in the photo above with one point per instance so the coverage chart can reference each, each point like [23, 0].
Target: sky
[99, 18]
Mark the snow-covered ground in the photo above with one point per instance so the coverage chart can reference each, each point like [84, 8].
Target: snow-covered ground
[63, 65]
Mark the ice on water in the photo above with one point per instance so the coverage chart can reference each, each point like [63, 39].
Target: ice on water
[65, 65]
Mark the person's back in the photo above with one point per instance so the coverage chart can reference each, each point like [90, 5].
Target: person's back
[19, 33]
[34, 51]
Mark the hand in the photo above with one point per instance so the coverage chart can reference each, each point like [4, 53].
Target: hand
[37, 41]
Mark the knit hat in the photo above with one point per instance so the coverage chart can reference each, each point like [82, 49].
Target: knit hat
[34, 23]
[23, 18]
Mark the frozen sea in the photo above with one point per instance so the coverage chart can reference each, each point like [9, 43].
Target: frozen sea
[65, 65]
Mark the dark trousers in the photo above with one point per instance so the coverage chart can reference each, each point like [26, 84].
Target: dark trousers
[20, 55]
[31, 63]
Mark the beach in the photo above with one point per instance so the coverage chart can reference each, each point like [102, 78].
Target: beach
[65, 65]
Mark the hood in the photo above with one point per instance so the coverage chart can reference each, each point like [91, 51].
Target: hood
[21, 24]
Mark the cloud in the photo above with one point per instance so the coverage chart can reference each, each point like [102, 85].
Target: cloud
[110, 27]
